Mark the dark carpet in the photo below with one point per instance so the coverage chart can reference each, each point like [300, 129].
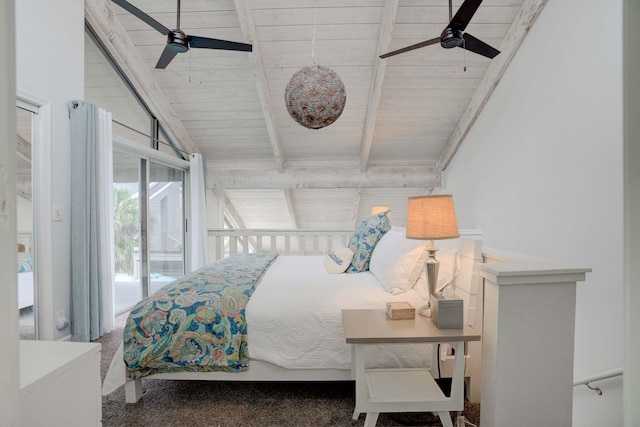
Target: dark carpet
[226, 404]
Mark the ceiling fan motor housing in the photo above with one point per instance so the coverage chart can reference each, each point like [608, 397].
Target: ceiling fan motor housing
[178, 41]
[451, 38]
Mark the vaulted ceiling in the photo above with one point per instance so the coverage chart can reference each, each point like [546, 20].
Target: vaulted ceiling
[404, 119]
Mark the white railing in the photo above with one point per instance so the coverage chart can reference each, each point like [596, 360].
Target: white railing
[598, 377]
[225, 242]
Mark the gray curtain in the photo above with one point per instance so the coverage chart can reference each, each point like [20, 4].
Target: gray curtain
[86, 251]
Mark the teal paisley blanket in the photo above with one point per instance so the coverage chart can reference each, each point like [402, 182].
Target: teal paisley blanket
[197, 323]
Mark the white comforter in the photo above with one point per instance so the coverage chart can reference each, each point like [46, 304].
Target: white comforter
[294, 317]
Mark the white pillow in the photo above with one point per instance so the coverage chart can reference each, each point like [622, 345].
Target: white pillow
[397, 261]
[446, 272]
[338, 259]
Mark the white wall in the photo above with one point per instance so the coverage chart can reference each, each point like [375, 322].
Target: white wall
[540, 173]
[631, 61]
[50, 67]
[9, 379]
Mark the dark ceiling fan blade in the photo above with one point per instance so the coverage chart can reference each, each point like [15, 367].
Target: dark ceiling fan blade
[464, 14]
[478, 46]
[412, 47]
[142, 16]
[207, 43]
[167, 56]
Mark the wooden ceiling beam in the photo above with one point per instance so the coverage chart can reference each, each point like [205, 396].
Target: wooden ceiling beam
[291, 207]
[232, 215]
[328, 177]
[386, 30]
[109, 30]
[522, 23]
[248, 26]
[23, 148]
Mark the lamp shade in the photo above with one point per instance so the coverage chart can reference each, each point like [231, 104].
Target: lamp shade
[375, 210]
[431, 218]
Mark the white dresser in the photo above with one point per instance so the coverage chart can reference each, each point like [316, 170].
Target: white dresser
[60, 384]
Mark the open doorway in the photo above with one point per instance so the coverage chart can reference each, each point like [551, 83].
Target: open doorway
[25, 227]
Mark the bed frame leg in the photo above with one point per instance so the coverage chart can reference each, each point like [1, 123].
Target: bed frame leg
[133, 390]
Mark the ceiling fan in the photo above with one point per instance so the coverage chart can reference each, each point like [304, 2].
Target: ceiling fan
[177, 41]
[454, 36]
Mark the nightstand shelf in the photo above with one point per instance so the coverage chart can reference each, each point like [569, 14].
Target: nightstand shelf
[402, 385]
[402, 390]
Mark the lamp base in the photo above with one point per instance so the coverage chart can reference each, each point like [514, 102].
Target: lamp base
[431, 267]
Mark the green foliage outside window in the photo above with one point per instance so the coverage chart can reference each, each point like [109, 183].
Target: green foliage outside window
[126, 224]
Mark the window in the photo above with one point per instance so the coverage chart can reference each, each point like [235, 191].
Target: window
[106, 87]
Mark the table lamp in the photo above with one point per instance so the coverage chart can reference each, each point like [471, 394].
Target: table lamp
[431, 218]
[375, 210]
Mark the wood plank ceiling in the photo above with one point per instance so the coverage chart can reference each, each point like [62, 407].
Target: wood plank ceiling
[404, 118]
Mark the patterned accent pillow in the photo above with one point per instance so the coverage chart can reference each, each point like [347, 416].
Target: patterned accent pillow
[367, 235]
[25, 262]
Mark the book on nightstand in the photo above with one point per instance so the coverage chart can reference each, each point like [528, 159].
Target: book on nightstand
[400, 310]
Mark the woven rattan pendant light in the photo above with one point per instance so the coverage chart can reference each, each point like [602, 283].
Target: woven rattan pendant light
[315, 95]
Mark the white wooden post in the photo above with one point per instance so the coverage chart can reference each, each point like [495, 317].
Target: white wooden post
[233, 245]
[274, 247]
[528, 336]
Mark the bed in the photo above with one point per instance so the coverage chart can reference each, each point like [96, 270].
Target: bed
[293, 316]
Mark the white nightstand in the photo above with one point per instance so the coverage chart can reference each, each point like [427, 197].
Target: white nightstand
[402, 390]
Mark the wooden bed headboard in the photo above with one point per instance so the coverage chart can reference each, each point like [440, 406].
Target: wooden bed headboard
[468, 286]
[468, 282]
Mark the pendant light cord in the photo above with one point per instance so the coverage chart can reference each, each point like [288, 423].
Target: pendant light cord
[313, 39]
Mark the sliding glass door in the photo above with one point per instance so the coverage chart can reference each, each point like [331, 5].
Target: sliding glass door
[148, 227]
[165, 224]
[126, 227]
